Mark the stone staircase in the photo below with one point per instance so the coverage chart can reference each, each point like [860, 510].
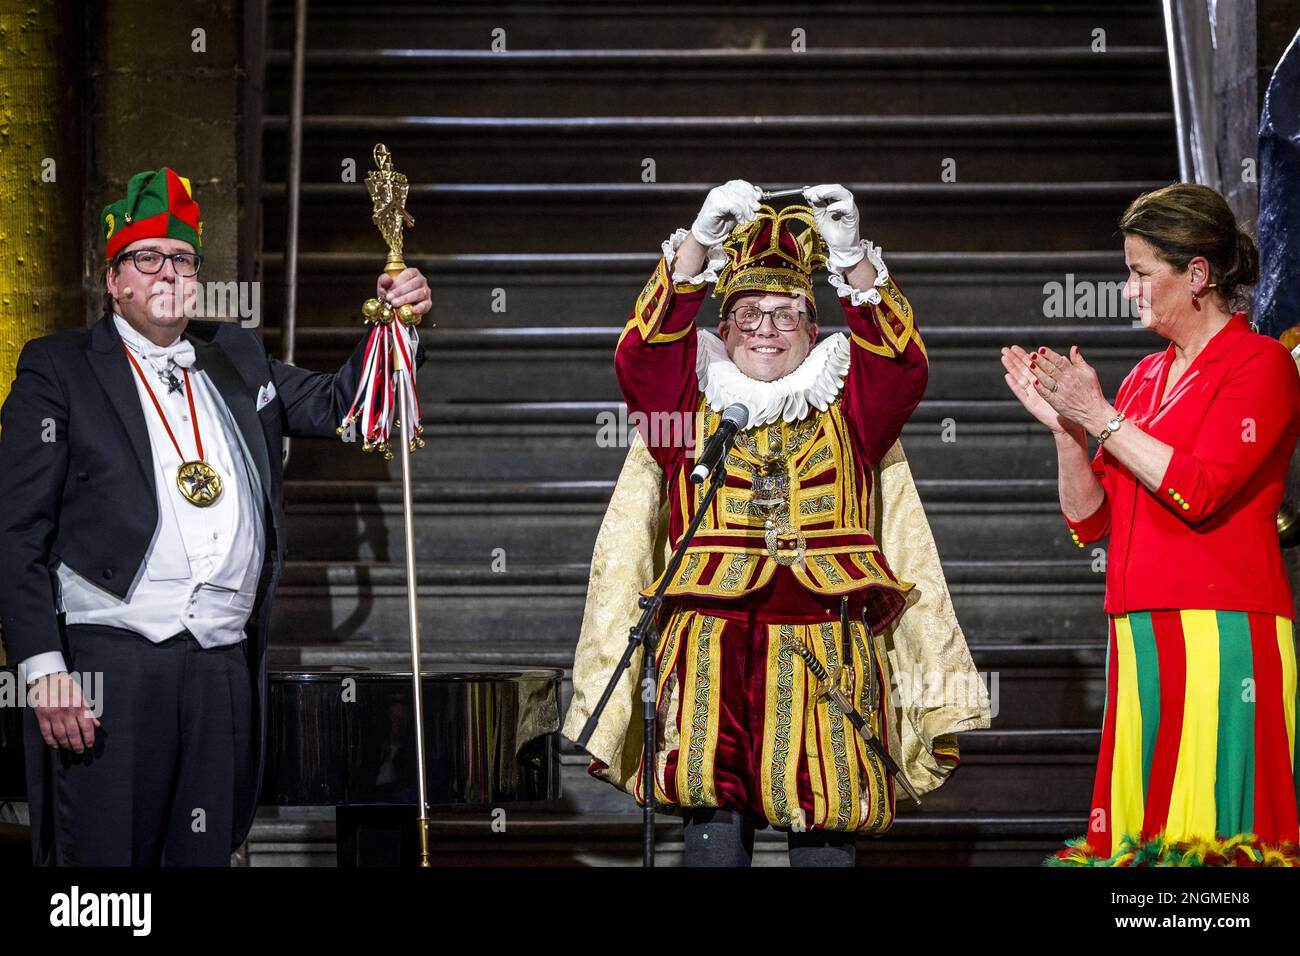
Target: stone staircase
[527, 177]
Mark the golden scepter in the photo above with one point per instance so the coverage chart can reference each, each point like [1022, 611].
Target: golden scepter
[387, 389]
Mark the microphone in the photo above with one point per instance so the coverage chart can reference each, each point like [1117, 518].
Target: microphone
[734, 419]
[128, 293]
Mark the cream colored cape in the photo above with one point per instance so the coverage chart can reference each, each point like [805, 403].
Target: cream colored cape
[925, 642]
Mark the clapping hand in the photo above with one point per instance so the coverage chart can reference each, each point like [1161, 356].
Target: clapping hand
[1062, 393]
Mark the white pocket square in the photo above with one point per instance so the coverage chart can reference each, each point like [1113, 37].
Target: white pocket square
[265, 394]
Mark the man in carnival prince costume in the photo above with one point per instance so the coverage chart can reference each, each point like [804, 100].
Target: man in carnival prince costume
[817, 493]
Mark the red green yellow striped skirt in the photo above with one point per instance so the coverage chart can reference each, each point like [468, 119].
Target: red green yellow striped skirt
[1198, 746]
[740, 725]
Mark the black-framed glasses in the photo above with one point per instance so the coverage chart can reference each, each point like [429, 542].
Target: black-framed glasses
[150, 261]
[748, 318]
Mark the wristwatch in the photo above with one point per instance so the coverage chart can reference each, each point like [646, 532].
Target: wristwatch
[1110, 428]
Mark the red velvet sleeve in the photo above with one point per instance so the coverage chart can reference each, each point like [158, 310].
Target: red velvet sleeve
[655, 364]
[888, 369]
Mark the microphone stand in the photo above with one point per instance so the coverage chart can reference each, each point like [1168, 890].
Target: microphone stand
[641, 634]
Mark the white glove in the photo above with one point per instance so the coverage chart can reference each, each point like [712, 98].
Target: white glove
[726, 206]
[837, 220]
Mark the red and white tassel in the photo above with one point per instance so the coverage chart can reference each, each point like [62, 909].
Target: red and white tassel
[386, 394]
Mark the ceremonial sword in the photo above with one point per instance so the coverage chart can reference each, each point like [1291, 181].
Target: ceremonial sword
[856, 719]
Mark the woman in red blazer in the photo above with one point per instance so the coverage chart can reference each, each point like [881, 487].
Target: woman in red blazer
[1198, 742]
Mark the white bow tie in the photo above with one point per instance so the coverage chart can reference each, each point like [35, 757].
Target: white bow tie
[181, 352]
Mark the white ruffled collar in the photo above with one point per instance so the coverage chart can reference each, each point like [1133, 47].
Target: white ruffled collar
[814, 384]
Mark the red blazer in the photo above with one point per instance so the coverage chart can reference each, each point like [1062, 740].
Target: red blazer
[1208, 538]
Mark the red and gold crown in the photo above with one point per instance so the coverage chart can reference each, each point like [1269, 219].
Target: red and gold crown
[774, 252]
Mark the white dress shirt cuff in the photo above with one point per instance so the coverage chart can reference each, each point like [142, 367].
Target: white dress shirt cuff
[717, 258]
[38, 665]
[870, 296]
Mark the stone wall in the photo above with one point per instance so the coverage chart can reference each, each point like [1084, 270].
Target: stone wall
[165, 88]
[41, 175]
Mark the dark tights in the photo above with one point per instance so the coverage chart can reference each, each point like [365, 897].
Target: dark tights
[717, 837]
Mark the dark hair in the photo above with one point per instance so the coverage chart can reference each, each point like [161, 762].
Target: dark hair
[116, 266]
[1186, 220]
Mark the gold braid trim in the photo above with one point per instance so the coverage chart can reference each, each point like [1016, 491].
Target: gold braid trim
[652, 306]
[653, 301]
[893, 306]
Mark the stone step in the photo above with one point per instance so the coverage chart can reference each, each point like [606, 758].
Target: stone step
[546, 441]
[1034, 688]
[548, 839]
[615, 24]
[543, 290]
[337, 602]
[894, 80]
[1039, 694]
[983, 783]
[552, 650]
[556, 522]
[528, 149]
[633, 216]
[576, 364]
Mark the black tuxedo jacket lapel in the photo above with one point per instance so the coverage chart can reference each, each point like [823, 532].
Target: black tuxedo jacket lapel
[110, 366]
[239, 398]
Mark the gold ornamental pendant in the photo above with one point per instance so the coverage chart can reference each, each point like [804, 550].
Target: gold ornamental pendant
[199, 483]
[774, 536]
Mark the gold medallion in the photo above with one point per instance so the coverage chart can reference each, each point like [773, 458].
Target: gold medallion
[199, 483]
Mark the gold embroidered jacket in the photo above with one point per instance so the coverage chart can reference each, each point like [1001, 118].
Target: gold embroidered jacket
[796, 493]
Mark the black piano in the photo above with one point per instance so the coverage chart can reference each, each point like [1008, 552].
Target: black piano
[345, 737]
